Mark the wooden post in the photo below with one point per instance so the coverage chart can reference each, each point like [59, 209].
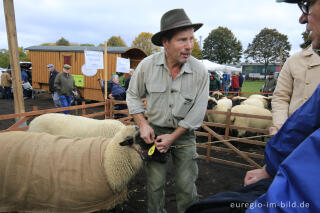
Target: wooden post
[105, 78]
[209, 148]
[14, 56]
[228, 123]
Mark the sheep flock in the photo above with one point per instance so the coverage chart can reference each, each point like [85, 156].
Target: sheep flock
[254, 105]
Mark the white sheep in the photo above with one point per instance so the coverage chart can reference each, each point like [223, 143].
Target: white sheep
[221, 105]
[254, 102]
[74, 126]
[47, 173]
[250, 122]
[259, 98]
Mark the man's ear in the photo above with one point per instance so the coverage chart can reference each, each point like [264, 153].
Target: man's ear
[128, 141]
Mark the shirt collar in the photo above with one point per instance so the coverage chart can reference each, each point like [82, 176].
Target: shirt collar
[314, 57]
[161, 61]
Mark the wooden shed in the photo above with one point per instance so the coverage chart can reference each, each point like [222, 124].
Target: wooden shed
[41, 56]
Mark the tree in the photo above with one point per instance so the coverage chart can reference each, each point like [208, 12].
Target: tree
[48, 44]
[23, 55]
[222, 46]
[62, 42]
[5, 58]
[196, 51]
[143, 41]
[306, 40]
[266, 47]
[88, 45]
[116, 41]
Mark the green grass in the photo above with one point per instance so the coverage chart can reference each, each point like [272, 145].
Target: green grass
[252, 86]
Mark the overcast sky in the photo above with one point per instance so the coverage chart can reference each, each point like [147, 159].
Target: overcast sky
[95, 21]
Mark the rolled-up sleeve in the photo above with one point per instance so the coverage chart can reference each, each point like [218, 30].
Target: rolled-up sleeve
[194, 118]
[135, 91]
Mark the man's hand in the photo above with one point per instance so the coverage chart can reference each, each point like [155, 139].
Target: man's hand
[255, 175]
[163, 142]
[147, 133]
[274, 129]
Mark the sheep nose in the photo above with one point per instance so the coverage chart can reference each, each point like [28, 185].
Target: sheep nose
[137, 127]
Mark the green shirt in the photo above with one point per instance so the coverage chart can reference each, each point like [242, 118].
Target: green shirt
[170, 103]
[64, 84]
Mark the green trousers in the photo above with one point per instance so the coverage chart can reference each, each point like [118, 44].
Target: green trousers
[186, 173]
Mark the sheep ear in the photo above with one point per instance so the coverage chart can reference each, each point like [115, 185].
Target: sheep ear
[128, 141]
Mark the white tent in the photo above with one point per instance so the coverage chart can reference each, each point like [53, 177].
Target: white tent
[218, 68]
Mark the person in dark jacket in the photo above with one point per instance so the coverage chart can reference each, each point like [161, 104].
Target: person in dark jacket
[64, 84]
[240, 81]
[215, 83]
[52, 77]
[271, 84]
[116, 91]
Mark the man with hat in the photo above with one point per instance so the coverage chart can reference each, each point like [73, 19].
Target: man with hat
[270, 84]
[52, 76]
[176, 86]
[300, 74]
[64, 85]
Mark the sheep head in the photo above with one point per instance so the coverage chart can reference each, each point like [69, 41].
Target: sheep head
[217, 95]
[212, 102]
[144, 148]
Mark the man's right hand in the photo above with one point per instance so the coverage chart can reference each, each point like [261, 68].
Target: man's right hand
[147, 133]
[255, 175]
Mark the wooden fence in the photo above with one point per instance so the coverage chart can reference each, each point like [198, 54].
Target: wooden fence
[211, 145]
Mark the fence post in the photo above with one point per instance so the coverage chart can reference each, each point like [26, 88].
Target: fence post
[83, 109]
[209, 148]
[228, 123]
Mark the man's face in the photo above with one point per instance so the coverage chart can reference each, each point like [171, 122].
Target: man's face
[179, 48]
[66, 70]
[313, 23]
[50, 69]
[271, 76]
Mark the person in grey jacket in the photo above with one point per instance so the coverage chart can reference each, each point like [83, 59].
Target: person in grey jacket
[64, 84]
[176, 86]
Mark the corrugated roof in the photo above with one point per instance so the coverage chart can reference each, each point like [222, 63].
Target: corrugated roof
[77, 49]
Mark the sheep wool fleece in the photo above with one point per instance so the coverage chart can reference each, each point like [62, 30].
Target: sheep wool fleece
[45, 173]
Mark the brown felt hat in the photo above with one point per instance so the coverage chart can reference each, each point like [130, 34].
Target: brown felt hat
[173, 19]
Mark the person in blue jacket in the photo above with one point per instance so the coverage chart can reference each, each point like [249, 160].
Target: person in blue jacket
[290, 181]
[293, 155]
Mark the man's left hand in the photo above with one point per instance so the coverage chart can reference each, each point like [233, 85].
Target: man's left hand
[163, 142]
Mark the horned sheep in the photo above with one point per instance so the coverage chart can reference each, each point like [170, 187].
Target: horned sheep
[47, 173]
[74, 126]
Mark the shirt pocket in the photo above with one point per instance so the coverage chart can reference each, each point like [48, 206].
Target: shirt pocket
[183, 105]
[156, 97]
